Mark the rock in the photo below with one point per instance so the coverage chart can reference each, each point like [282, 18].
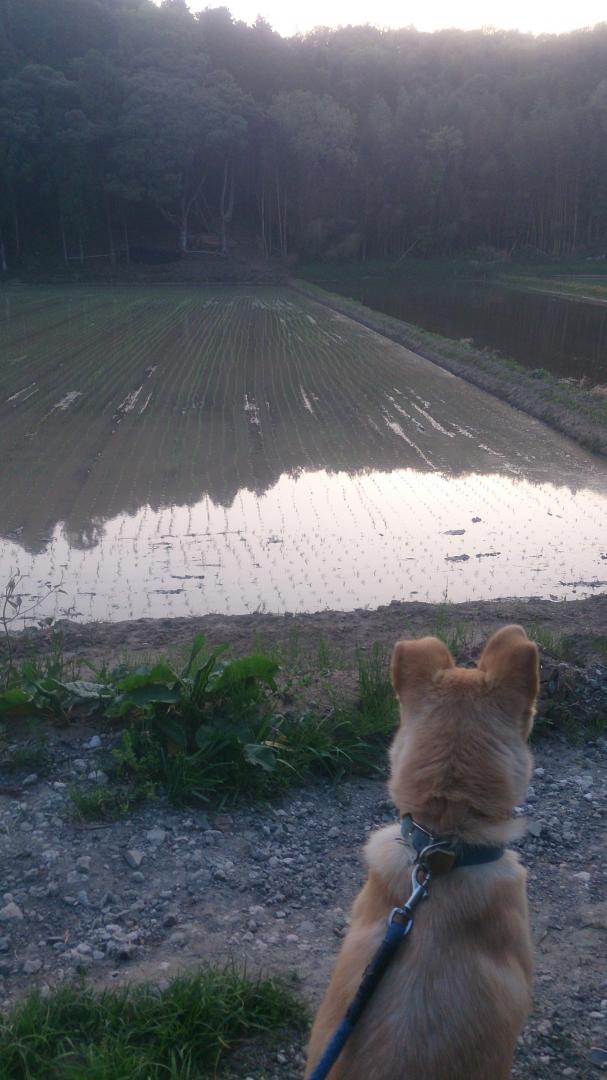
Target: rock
[84, 863]
[30, 780]
[156, 836]
[535, 828]
[540, 773]
[93, 744]
[134, 858]
[583, 876]
[10, 911]
[99, 777]
[32, 966]
[178, 938]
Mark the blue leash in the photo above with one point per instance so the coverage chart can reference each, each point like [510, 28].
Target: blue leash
[400, 924]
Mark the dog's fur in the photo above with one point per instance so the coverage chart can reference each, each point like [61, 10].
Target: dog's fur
[453, 1002]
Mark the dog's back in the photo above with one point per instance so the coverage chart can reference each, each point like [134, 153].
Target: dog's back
[452, 1004]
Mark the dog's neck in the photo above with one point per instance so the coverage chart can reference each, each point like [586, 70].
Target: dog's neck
[466, 828]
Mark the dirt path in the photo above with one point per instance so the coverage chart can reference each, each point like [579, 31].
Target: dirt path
[162, 890]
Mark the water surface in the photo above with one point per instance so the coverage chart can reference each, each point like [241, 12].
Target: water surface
[566, 337]
[172, 451]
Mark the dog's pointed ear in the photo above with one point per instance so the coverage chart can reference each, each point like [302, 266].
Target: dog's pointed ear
[415, 665]
[511, 662]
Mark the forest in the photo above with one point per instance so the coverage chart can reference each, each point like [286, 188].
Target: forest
[124, 123]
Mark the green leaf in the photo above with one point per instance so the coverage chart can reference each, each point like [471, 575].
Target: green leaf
[172, 730]
[86, 691]
[204, 676]
[198, 645]
[150, 694]
[258, 754]
[148, 676]
[15, 700]
[258, 668]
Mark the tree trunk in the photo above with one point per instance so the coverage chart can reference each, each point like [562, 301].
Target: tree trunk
[64, 242]
[226, 204]
[3, 263]
[108, 221]
[127, 249]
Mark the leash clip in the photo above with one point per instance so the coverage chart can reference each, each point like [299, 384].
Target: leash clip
[420, 887]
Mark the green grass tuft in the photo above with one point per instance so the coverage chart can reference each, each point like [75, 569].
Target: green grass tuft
[187, 1031]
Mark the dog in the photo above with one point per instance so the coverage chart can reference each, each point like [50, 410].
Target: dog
[454, 999]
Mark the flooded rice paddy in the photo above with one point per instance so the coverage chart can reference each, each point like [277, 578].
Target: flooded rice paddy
[566, 337]
[172, 451]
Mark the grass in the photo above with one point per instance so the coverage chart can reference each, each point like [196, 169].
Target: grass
[31, 756]
[572, 410]
[554, 645]
[186, 1032]
[103, 802]
[214, 730]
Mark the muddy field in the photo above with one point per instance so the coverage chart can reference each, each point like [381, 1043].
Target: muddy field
[178, 451]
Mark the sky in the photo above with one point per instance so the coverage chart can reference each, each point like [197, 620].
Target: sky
[534, 16]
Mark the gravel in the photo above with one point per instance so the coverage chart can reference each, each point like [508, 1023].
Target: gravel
[163, 890]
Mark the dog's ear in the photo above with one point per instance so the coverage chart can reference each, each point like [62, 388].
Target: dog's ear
[415, 665]
[511, 663]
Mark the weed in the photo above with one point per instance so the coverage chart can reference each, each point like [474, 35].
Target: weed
[30, 756]
[553, 644]
[324, 658]
[187, 1030]
[456, 637]
[100, 803]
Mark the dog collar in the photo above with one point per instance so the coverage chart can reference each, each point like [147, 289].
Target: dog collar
[455, 853]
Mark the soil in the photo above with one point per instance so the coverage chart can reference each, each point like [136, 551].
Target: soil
[583, 623]
[163, 890]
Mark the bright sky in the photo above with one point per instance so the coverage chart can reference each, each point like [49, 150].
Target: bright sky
[535, 16]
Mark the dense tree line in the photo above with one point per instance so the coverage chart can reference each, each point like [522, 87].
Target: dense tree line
[119, 118]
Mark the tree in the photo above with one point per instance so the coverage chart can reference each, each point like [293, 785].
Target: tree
[172, 134]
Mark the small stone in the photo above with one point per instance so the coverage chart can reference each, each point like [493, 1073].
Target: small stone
[99, 777]
[178, 938]
[540, 773]
[93, 744]
[535, 828]
[137, 875]
[134, 858]
[84, 863]
[333, 832]
[10, 911]
[583, 876]
[32, 966]
[30, 780]
[156, 836]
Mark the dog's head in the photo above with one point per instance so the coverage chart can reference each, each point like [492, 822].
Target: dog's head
[459, 760]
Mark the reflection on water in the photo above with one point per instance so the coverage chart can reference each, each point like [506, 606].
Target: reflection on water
[337, 541]
[566, 337]
[179, 451]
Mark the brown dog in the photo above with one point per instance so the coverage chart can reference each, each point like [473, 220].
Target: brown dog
[455, 997]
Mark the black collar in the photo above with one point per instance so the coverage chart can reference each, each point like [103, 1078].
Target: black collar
[463, 854]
